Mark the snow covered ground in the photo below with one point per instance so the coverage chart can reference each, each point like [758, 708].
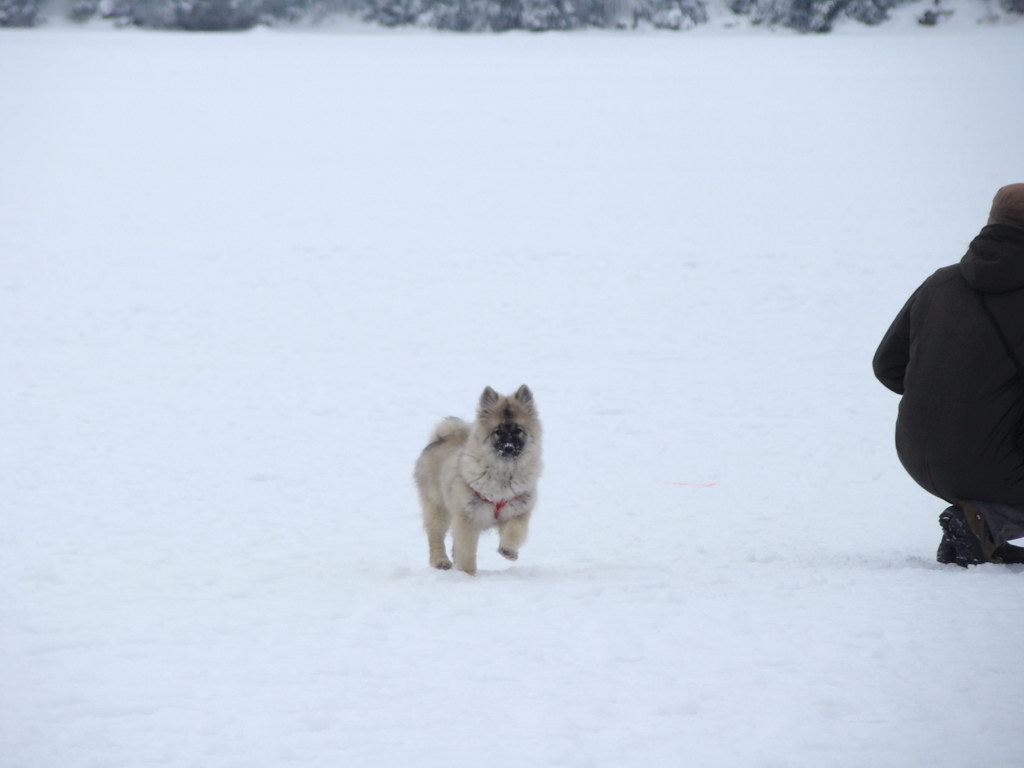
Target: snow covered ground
[242, 276]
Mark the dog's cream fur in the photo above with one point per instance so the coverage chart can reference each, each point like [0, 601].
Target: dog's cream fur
[461, 478]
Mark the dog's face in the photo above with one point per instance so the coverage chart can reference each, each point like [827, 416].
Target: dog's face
[508, 439]
[509, 422]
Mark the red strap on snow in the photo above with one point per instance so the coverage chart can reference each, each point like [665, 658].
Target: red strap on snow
[498, 505]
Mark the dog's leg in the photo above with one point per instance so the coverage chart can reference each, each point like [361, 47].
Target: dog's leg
[435, 521]
[512, 536]
[465, 537]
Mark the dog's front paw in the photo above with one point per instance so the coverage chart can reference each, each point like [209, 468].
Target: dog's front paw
[508, 553]
[442, 564]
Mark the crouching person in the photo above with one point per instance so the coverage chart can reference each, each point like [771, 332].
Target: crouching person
[954, 352]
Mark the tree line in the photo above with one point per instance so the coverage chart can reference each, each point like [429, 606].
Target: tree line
[469, 15]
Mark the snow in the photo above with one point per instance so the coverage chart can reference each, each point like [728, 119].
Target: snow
[244, 275]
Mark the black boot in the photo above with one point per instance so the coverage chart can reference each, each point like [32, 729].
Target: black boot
[946, 553]
[967, 547]
[1009, 554]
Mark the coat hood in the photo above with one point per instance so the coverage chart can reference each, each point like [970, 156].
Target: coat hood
[994, 263]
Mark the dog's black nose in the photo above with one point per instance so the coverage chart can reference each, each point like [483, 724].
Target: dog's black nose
[508, 440]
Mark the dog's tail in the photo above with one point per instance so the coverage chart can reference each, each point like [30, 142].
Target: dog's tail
[452, 427]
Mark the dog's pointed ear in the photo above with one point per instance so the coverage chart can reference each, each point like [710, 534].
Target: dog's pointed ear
[524, 396]
[488, 400]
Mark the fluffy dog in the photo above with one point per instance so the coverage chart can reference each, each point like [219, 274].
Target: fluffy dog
[472, 477]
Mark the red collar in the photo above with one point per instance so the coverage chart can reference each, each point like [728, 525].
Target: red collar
[498, 505]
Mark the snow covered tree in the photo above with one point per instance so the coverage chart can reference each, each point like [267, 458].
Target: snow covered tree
[288, 10]
[456, 15]
[148, 13]
[813, 15]
[120, 11]
[194, 15]
[82, 10]
[393, 13]
[18, 13]
[505, 14]
[670, 14]
[215, 15]
[541, 15]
